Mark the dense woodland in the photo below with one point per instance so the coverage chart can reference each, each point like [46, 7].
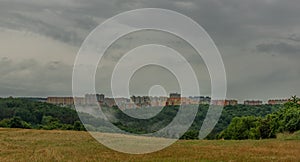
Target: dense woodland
[26, 113]
[168, 113]
[285, 120]
[236, 122]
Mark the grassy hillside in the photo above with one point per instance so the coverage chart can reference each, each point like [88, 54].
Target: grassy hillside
[54, 145]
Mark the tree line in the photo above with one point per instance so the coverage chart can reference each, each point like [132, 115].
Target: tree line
[236, 122]
[24, 113]
[285, 120]
[166, 115]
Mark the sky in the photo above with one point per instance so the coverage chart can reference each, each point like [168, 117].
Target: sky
[259, 41]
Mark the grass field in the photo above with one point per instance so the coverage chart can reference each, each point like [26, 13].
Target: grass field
[41, 145]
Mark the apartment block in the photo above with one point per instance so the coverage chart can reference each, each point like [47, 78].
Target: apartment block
[278, 101]
[253, 102]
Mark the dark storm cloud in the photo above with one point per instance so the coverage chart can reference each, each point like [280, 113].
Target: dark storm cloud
[44, 28]
[60, 22]
[30, 78]
[229, 21]
[280, 48]
[294, 37]
[237, 26]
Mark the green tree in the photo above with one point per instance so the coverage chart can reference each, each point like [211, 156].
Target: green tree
[294, 99]
[190, 134]
[17, 122]
[286, 119]
[242, 128]
[78, 126]
[50, 123]
[5, 123]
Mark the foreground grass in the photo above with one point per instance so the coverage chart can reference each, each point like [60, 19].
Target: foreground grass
[40, 145]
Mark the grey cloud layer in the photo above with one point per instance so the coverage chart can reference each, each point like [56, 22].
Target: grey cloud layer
[280, 48]
[242, 29]
[30, 78]
[232, 20]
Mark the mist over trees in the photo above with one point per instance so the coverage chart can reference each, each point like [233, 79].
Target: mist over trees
[236, 122]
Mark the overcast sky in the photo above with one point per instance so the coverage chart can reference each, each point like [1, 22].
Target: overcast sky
[259, 41]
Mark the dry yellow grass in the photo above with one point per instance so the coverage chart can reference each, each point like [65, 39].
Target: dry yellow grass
[40, 145]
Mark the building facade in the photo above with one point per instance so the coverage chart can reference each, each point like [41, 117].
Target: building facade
[253, 102]
[278, 101]
[141, 101]
[224, 102]
[60, 100]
